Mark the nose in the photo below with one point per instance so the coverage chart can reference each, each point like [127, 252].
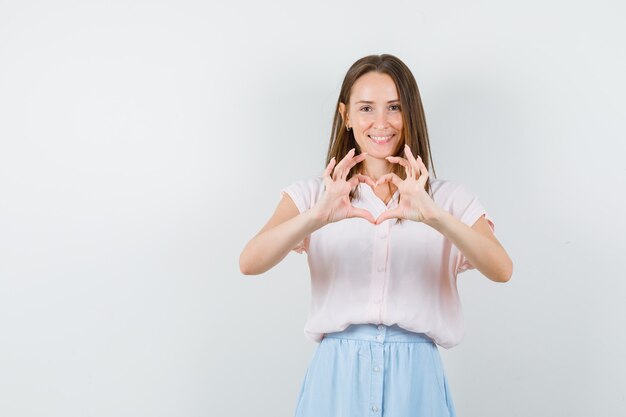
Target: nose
[381, 120]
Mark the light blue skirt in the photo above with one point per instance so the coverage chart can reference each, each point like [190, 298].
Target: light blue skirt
[375, 371]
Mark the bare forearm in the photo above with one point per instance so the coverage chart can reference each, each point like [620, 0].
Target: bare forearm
[267, 249]
[488, 256]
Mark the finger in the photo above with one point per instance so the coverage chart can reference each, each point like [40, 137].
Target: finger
[357, 178]
[327, 171]
[337, 169]
[340, 166]
[362, 213]
[412, 160]
[389, 214]
[401, 161]
[359, 158]
[423, 172]
[389, 177]
[352, 162]
[329, 167]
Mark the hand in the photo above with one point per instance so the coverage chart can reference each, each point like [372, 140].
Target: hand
[334, 204]
[415, 203]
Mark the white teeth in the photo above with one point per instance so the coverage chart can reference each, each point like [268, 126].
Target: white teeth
[381, 138]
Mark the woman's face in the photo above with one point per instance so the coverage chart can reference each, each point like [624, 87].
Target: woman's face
[374, 114]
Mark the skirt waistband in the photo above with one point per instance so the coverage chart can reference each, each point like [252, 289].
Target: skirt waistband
[379, 333]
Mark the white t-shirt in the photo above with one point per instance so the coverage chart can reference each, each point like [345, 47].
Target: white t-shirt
[402, 274]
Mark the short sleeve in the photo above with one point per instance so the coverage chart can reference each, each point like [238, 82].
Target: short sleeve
[468, 209]
[304, 194]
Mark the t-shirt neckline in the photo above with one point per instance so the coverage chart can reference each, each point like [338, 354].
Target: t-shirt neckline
[378, 200]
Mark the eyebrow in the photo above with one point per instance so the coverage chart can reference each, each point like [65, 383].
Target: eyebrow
[371, 102]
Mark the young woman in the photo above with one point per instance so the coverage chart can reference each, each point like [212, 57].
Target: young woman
[385, 243]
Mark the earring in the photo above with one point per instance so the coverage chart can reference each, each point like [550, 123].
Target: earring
[348, 128]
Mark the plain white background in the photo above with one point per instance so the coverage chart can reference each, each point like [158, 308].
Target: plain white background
[144, 143]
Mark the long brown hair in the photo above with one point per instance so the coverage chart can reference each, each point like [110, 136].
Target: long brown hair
[414, 131]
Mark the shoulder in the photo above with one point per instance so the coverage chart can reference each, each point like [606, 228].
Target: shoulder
[460, 200]
[312, 184]
[316, 182]
[443, 189]
[305, 191]
[455, 197]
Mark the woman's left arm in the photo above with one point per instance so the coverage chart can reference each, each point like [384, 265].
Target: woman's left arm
[477, 243]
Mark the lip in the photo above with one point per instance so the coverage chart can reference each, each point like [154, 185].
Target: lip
[391, 136]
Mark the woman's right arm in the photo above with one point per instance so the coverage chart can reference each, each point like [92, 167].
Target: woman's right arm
[284, 230]
[287, 227]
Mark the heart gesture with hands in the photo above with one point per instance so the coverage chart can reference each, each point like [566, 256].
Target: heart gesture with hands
[415, 203]
[334, 204]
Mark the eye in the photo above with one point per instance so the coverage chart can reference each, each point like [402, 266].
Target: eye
[365, 107]
[395, 105]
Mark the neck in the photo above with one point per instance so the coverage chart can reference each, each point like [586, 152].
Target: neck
[375, 167]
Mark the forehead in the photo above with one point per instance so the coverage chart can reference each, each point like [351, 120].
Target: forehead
[374, 86]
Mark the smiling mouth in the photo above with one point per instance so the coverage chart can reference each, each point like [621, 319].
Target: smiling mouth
[381, 139]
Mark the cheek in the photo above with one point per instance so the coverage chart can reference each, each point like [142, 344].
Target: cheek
[362, 121]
